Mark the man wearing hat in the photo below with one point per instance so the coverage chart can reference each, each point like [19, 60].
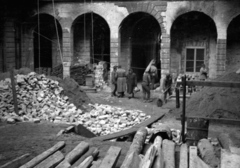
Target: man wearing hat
[114, 81]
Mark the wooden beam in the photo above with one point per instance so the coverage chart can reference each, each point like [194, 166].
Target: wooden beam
[168, 153]
[136, 146]
[43, 155]
[110, 160]
[212, 84]
[183, 156]
[17, 162]
[77, 152]
[51, 161]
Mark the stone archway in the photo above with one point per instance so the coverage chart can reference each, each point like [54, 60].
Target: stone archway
[193, 43]
[233, 42]
[42, 36]
[139, 42]
[91, 38]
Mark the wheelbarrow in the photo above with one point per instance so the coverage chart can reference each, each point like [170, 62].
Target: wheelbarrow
[161, 99]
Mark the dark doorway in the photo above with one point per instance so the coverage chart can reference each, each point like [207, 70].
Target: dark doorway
[140, 41]
[91, 38]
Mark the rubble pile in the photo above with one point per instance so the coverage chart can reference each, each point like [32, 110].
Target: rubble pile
[40, 98]
[105, 119]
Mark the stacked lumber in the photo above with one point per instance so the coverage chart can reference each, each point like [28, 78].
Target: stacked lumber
[43, 70]
[77, 72]
[160, 153]
[57, 71]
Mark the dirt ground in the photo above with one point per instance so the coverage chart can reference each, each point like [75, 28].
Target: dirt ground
[34, 138]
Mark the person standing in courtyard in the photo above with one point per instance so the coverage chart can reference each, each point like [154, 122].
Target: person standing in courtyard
[121, 81]
[203, 73]
[114, 81]
[146, 83]
[131, 83]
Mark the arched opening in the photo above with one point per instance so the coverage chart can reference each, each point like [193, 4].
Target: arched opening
[193, 43]
[233, 42]
[47, 35]
[91, 39]
[139, 42]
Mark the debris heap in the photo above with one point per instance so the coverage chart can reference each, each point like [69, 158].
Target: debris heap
[41, 98]
[105, 119]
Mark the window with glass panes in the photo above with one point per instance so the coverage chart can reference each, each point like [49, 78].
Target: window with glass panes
[194, 59]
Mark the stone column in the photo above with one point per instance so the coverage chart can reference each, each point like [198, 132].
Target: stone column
[67, 54]
[165, 53]
[114, 57]
[221, 56]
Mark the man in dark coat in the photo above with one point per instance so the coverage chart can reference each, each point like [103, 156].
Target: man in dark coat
[114, 81]
[131, 82]
[121, 81]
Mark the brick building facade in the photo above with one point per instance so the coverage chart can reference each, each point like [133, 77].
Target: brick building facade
[180, 35]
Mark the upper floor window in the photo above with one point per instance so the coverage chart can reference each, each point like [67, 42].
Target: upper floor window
[194, 59]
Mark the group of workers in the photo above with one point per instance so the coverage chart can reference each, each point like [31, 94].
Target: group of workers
[122, 81]
[127, 82]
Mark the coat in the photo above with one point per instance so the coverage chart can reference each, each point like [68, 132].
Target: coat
[131, 82]
[121, 80]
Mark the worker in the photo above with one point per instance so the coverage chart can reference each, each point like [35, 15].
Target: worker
[203, 73]
[153, 74]
[121, 81]
[166, 85]
[114, 81]
[131, 83]
[146, 82]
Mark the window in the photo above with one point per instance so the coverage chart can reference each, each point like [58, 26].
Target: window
[194, 59]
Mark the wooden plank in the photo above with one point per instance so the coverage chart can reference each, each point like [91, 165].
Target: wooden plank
[158, 162]
[168, 153]
[43, 155]
[149, 157]
[111, 157]
[17, 162]
[229, 160]
[51, 161]
[192, 156]
[96, 164]
[136, 146]
[91, 152]
[134, 128]
[77, 152]
[86, 163]
[183, 156]
[64, 164]
[212, 84]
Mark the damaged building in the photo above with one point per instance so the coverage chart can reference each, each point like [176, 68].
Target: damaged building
[181, 35]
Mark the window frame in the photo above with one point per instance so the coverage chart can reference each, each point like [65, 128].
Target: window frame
[195, 55]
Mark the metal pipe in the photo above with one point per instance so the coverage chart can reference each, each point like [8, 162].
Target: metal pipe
[183, 108]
